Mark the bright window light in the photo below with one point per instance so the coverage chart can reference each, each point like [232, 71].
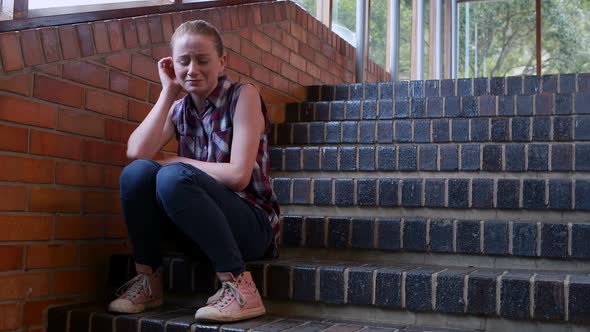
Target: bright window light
[37, 4]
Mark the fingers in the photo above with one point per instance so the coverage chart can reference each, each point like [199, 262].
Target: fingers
[165, 62]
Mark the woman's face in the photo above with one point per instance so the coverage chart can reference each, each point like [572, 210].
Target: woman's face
[196, 64]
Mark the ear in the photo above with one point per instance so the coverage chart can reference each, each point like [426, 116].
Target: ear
[222, 62]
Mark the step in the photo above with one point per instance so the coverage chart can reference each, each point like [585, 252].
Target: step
[535, 295]
[469, 157]
[180, 319]
[497, 86]
[457, 192]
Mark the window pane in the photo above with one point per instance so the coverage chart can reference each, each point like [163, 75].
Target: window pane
[344, 19]
[36, 4]
[378, 32]
[565, 44]
[497, 38]
[311, 6]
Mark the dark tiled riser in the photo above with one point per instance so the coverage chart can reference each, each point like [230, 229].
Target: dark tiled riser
[504, 238]
[427, 288]
[441, 107]
[481, 130]
[497, 86]
[534, 194]
[554, 157]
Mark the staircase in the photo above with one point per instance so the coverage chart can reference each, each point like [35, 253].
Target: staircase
[453, 205]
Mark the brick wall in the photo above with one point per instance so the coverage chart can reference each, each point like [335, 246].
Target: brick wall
[69, 98]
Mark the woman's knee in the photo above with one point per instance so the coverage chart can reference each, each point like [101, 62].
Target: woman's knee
[170, 180]
[138, 175]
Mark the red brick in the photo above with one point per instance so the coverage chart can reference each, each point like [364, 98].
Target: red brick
[9, 316]
[54, 199]
[14, 138]
[10, 49]
[167, 28]
[85, 38]
[101, 37]
[155, 25]
[101, 202]
[50, 42]
[298, 32]
[291, 42]
[53, 70]
[138, 111]
[76, 174]
[24, 111]
[231, 41]
[272, 96]
[321, 61]
[304, 78]
[118, 130]
[11, 257]
[246, 34]
[105, 153]
[99, 253]
[261, 74]
[129, 86]
[111, 176]
[25, 169]
[289, 71]
[129, 32]
[161, 51]
[280, 51]
[58, 91]
[271, 62]
[31, 45]
[79, 227]
[298, 91]
[34, 311]
[20, 84]
[81, 122]
[297, 61]
[77, 281]
[115, 35]
[86, 73]
[154, 94]
[69, 42]
[24, 285]
[238, 63]
[272, 31]
[251, 52]
[14, 198]
[143, 31]
[55, 145]
[52, 255]
[144, 67]
[120, 61]
[257, 15]
[280, 83]
[115, 227]
[106, 103]
[261, 40]
[25, 228]
[177, 20]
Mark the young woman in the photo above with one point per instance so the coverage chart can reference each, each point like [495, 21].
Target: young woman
[217, 190]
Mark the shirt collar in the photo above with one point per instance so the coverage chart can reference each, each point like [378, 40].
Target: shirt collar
[218, 96]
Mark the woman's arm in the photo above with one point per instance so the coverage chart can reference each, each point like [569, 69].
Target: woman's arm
[248, 126]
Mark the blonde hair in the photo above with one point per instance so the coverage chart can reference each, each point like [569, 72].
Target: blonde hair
[200, 27]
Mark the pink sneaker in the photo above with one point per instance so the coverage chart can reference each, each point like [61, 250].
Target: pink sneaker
[236, 300]
[143, 292]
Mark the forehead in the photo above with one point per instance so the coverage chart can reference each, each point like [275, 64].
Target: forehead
[193, 43]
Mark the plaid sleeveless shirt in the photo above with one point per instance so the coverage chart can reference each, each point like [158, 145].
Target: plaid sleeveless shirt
[208, 137]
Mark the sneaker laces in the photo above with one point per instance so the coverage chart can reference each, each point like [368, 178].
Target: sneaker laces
[135, 286]
[223, 296]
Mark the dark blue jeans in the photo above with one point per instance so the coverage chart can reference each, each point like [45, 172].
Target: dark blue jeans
[226, 228]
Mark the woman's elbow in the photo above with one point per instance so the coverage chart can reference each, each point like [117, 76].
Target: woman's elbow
[241, 182]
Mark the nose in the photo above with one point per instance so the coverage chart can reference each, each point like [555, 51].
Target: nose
[193, 68]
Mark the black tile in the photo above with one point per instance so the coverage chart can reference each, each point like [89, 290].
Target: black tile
[304, 282]
[385, 131]
[316, 133]
[506, 105]
[293, 159]
[492, 158]
[538, 157]
[468, 236]
[542, 129]
[126, 323]
[500, 130]
[482, 193]
[524, 239]
[367, 132]
[417, 89]
[449, 157]
[388, 288]
[480, 86]
[469, 107]
[300, 133]
[497, 86]
[402, 108]
[283, 133]
[348, 158]
[487, 105]
[407, 158]
[307, 111]
[350, 131]
[514, 85]
[401, 89]
[79, 319]
[313, 92]
[385, 109]
[419, 289]
[533, 194]
[441, 235]
[353, 110]
[332, 284]
[314, 232]
[495, 240]
[447, 88]
[371, 90]
[322, 191]
[414, 234]
[327, 92]
[156, 323]
[417, 110]
[276, 326]
[458, 193]
[333, 132]
[386, 90]
[553, 240]
[301, 191]
[388, 192]
[480, 130]
[514, 298]
[562, 129]
[582, 157]
[515, 157]
[362, 233]
[563, 104]
[119, 270]
[421, 131]
[464, 87]
[360, 286]
[560, 194]
[180, 277]
[322, 112]
[338, 232]
[329, 157]
[580, 236]
[101, 321]
[369, 109]
[386, 158]
[344, 192]
[532, 85]
[337, 110]
[434, 107]
[276, 159]
[460, 130]
[584, 82]
[57, 319]
[440, 130]
[470, 160]
[582, 103]
[449, 290]
[507, 194]
[389, 232]
[341, 92]
[241, 326]
[311, 159]
[524, 105]
[481, 293]
[428, 158]
[452, 107]
[411, 192]
[434, 192]
[549, 83]
[432, 88]
[582, 194]
[582, 127]
[543, 104]
[366, 158]
[403, 131]
[549, 298]
[366, 192]
[256, 270]
[356, 91]
[579, 299]
[291, 231]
